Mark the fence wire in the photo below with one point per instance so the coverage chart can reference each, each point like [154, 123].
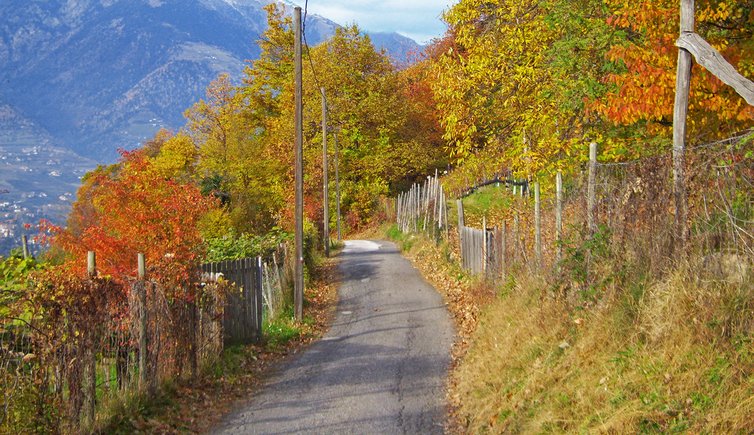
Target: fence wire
[633, 214]
[62, 372]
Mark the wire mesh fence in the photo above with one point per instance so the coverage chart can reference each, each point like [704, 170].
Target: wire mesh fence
[613, 210]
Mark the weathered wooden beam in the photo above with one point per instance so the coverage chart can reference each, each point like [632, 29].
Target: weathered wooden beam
[715, 63]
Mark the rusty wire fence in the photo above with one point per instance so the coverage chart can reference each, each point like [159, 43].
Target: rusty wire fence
[70, 360]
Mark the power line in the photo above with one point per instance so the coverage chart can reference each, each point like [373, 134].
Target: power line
[308, 49]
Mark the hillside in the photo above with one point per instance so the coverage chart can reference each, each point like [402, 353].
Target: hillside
[86, 78]
[103, 75]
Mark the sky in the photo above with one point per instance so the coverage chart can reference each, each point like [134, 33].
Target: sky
[417, 19]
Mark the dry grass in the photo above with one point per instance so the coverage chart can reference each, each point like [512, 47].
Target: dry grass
[678, 356]
[674, 354]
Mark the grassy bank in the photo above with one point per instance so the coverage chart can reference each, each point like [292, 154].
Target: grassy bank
[672, 354]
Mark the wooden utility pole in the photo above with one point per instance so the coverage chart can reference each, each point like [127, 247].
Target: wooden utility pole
[325, 181]
[298, 279]
[337, 187]
[680, 113]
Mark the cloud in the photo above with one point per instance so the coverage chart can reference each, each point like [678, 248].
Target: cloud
[418, 19]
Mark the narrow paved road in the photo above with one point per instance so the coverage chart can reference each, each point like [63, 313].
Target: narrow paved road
[380, 370]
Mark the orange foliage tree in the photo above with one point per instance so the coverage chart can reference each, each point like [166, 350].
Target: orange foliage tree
[130, 208]
[643, 91]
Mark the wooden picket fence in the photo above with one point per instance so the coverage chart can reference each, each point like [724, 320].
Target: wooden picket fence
[242, 319]
[423, 208]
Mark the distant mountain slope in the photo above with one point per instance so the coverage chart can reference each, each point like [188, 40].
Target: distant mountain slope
[403, 50]
[99, 75]
[80, 79]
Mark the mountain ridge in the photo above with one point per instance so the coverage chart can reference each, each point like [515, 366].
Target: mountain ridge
[88, 77]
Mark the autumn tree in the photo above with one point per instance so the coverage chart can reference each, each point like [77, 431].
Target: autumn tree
[131, 208]
[642, 92]
[244, 133]
[496, 82]
[528, 84]
[385, 140]
[234, 159]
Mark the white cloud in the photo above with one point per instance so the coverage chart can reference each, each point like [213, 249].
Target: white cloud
[418, 19]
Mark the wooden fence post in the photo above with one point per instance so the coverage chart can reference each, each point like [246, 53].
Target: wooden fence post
[25, 246]
[591, 203]
[435, 205]
[141, 289]
[502, 252]
[425, 203]
[680, 113]
[558, 217]
[398, 210]
[258, 299]
[591, 200]
[91, 264]
[418, 210]
[399, 215]
[193, 326]
[406, 211]
[484, 246]
[444, 217]
[461, 221]
[515, 238]
[537, 226]
[90, 387]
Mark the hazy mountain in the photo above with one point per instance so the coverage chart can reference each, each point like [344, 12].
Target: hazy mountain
[87, 77]
[104, 74]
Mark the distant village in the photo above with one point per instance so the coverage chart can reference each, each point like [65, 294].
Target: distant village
[33, 187]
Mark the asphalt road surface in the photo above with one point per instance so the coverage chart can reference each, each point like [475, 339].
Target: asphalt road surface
[382, 367]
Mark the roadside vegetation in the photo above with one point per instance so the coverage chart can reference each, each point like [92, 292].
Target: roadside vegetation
[198, 406]
[649, 352]
[625, 334]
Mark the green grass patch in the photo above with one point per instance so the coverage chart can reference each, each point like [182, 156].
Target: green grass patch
[487, 199]
[282, 329]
